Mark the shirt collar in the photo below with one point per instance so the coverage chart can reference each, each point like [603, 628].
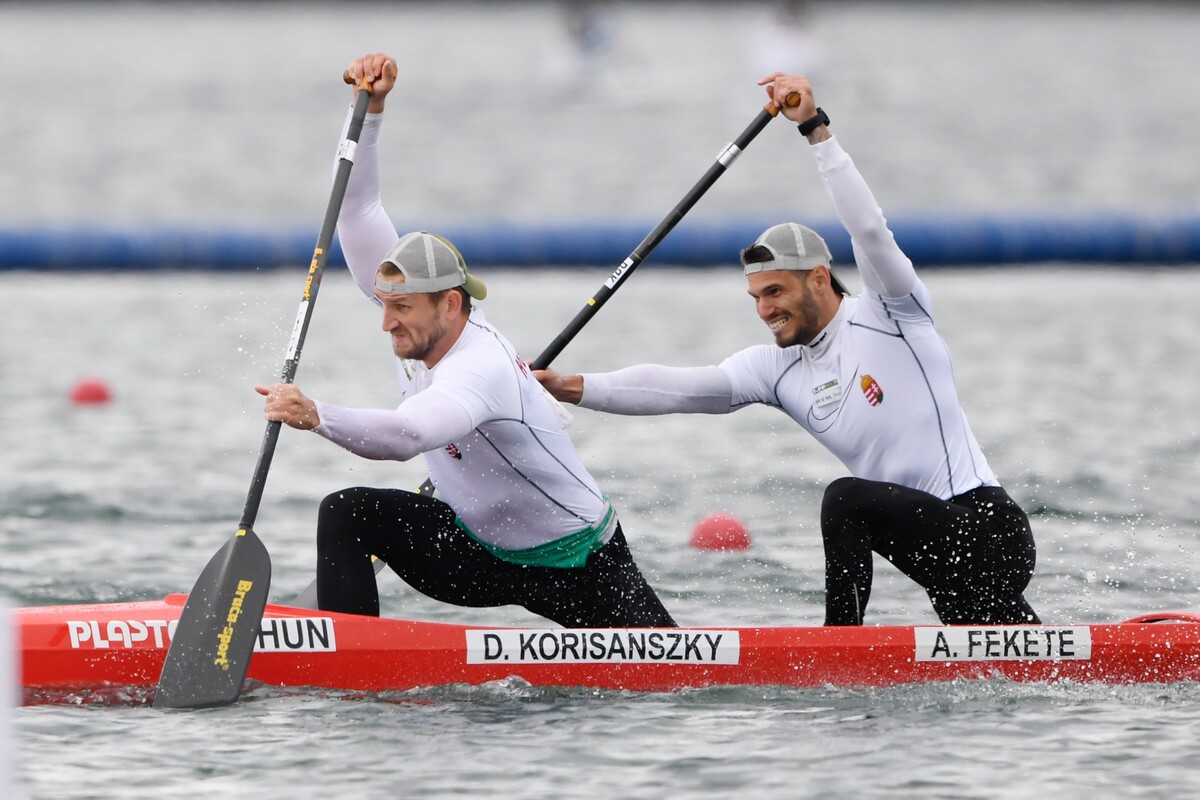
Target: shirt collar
[824, 340]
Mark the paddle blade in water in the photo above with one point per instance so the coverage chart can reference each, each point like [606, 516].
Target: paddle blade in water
[210, 654]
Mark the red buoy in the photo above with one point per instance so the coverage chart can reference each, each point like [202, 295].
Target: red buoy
[720, 532]
[90, 391]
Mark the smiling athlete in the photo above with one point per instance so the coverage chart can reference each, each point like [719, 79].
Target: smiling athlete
[870, 378]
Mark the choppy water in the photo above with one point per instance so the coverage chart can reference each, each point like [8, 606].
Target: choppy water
[1079, 387]
[1080, 384]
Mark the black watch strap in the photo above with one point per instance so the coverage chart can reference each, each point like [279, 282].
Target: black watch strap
[811, 124]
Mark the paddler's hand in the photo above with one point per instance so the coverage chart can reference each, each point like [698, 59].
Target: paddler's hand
[287, 404]
[780, 85]
[564, 388]
[380, 69]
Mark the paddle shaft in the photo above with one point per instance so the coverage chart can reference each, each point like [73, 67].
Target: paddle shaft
[209, 655]
[652, 240]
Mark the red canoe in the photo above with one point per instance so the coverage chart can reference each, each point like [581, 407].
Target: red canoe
[89, 647]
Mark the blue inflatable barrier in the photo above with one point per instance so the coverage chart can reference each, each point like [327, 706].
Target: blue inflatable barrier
[948, 242]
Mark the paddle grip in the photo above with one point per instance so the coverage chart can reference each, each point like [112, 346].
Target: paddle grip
[367, 84]
[791, 101]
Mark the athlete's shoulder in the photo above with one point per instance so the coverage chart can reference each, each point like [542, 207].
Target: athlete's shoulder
[914, 307]
[762, 359]
[481, 334]
[482, 356]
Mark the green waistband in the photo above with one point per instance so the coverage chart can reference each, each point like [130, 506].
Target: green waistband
[571, 550]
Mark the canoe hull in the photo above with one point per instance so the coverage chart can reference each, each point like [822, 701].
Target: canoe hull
[86, 647]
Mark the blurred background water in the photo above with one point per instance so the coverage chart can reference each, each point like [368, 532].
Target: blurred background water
[1080, 383]
[223, 112]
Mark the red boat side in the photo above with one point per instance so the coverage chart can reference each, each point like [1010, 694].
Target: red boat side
[85, 647]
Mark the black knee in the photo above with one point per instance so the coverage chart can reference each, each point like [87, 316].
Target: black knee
[850, 503]
[842, 493]
[833, 506]
[845, 517]
[337, 514]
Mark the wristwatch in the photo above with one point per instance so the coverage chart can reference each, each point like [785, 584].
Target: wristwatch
[811, 124]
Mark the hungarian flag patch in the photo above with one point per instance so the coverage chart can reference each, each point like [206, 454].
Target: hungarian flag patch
[871, 390]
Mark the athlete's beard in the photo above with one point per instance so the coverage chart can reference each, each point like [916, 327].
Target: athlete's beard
[420, 343]
[806, 316]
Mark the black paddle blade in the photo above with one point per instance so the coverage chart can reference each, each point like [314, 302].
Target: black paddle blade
[210, 654]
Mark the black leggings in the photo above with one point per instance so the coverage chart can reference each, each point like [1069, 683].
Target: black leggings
[416, 536]
[973, 554]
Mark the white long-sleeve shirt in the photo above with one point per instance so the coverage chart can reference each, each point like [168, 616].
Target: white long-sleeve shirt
[876, 386]
[493, 442]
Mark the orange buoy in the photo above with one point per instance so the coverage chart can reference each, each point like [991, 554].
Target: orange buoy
[720, 532]
[90, 391]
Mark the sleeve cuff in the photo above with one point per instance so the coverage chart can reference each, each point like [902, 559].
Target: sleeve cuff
[326, 415]
[596, 391]
[829, 154]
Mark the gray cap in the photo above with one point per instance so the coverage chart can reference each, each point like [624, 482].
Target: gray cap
[790, 246]
[429, 263]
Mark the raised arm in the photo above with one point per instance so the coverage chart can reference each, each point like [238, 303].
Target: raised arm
[364, 228]
[884, 267]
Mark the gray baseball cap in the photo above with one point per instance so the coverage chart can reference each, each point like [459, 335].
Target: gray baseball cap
[790, 246]
[429, 263]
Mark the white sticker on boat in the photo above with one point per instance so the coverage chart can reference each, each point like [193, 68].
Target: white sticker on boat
[1004, 643]
[277, 635]
[95, 635]
[296, 635]
[603, 646]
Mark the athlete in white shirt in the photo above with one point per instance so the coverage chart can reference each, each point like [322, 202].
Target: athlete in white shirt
[870, 378]
[521, 521]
